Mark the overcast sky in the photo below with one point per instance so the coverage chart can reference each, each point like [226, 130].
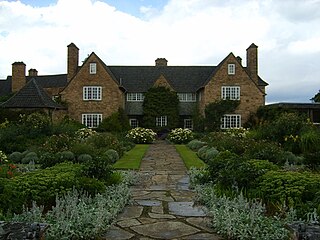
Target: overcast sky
[185, 32]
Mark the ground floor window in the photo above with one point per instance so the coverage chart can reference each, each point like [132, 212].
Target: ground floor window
[161, 121]
[188, 123]
[91, 120]
[231, 121]
[134, 122]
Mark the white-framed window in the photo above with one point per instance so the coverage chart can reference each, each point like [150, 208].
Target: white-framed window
[92, 68]
[231, 69]
[134, 122]
[231, 121]
[230, 92]
[188, 123]
[161, 121]
[92, 93]
[135, 97]
[187, 97]
[91, 120]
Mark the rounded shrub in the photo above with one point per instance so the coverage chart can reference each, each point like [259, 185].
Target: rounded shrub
[202, 152]
[141, 135]
[48, 159]
[83, 158]
[112, 155]
[16, 157]
[196, 144]
[66, 156]
[30, 157]
[180, 135]
[211, 153]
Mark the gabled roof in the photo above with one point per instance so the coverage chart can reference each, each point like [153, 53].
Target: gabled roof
[181, 78]
[31, 96]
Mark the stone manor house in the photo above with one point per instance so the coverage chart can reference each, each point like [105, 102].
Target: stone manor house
[94, 90]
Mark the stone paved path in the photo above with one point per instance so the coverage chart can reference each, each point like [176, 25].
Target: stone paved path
[163, 206]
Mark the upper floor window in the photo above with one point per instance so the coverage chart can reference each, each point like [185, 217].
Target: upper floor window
[230, 92]
[93, 68]
[92, 93]
[231, 121]
[187, 97]
[161, 121]
[91, 120]
[135, 97]
[231, 69]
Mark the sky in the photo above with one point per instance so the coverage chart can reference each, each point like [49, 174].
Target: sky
[185, 32]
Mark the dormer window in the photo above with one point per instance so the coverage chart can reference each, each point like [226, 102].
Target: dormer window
[93, 68]
[231, 69]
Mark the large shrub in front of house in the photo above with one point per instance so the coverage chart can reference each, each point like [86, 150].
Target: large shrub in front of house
[180, 135]
[160, 101]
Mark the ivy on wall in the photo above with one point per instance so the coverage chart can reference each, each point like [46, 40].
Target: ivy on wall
[160, 101]
[214, 112]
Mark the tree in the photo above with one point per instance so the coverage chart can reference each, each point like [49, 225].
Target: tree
[316, 97]
[160, 101]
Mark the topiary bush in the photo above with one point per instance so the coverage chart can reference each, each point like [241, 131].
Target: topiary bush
[15, 157]
[65, 156]
[30, 157]
[84, 158]
[196, 144]
[112, 155]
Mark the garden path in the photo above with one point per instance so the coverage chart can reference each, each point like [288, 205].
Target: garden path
[163, 205]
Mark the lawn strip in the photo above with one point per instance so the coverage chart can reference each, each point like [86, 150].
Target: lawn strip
[132, 158]
[189, 157]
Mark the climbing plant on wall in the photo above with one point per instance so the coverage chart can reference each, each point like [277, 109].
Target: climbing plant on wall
[214, 112]
[160, 101]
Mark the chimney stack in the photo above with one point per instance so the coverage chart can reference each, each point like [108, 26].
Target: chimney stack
[73, 61]
[252, 62]
[239, 60]
[18, 76]
[161, 62]
[33, 72]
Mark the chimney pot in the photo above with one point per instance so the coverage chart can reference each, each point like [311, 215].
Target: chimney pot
[33, 72]
[161, 62]
[239, 60]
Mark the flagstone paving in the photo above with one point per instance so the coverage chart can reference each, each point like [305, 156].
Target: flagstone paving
[163, 205]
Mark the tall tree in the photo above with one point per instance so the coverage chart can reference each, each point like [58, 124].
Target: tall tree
[316, 97]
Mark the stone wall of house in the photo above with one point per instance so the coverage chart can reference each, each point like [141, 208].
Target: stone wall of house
[251, 97]
[112, 96]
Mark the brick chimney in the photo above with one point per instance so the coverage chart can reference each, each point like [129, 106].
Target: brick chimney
[18, 76]
[161, 62]
[73, 61]
[33, 72]
[252, 62]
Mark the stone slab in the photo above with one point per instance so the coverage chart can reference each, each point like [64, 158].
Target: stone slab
[128, 223]
[130, 212]
[158, 216]
[203, 236]
[186, 209]
[117, 233]
[148, 203]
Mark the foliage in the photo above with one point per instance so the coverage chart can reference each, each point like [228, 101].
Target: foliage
[3, 158]
[160, 101]
[36, 123]
[141, 135]
[196, 144]
[98, 167]
[189, 157]
[198, 120]
[30, 157]
[180, 135]
[310, 140]
[84, 158]
[78, 215]
[239, 218]
[112, 155]
[312, 160]
[84, 133]
[105, 141]
[57, 143]
[207, 153]
[7, 170]
[214, 112]
[117, 122]
[15, 157]
[316, 98]
[237, 132]
[65, 156]
[132, 158]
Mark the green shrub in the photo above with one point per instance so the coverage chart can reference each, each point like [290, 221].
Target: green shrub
[83, 148]
[211, 154]
[202, 152]
[180, 135]
[30, 157]
[196, 144]
[16, 157]
[48, 159]
[57, 143]
[112, 155]
[117, 122]
[141, 135]
[310, 141]
[312, 160]
[65, 156]
[84, 133]
[98, 167]
[84, 158]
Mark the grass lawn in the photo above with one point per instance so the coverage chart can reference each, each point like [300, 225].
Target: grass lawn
[132, 158]
[189, 157]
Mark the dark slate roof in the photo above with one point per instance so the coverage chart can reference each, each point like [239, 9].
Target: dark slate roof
[295, 105]
[31, 96]
[181, 78]
[5, 87]
[261, 82]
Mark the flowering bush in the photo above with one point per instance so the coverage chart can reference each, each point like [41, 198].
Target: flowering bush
[3, 158]
[141, 135]
[237, 132]
[6, 169]
[84, 133]
[180, 135]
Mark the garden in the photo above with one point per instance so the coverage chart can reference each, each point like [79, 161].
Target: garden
[255, 182]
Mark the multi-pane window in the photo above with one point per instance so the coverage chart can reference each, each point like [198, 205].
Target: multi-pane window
[231, 69]
[187, 97]
[231, 121]
[92, 93]
[135, 97]
[188, 123]
[230, 92]
[134, 122]
[161, 121]
[91, 120]
[93, 68]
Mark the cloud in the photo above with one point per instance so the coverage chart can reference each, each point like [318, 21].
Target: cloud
[186, 32]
